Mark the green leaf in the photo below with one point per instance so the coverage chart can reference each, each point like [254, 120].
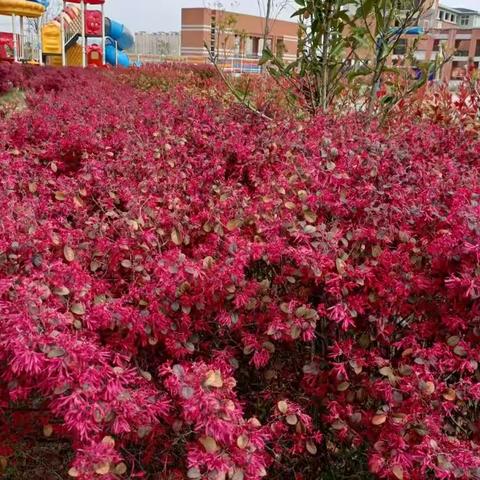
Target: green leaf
[365, 10]
[267, 56]
[360, 72]
[388, 100]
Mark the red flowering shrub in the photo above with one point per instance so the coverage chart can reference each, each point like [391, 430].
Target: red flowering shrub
[187, 291]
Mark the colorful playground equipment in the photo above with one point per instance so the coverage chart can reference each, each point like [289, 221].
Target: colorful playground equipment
[21, 44]
[80, 35]
[77, 22]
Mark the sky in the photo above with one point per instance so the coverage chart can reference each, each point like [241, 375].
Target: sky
[164, 15]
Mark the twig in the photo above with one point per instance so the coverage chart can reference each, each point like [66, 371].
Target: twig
[233, 90]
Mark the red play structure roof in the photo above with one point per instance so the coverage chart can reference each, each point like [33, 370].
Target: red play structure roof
[90, 2]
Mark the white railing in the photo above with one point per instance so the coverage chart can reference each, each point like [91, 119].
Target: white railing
[240, 65]
[235, 65]
[26, 48]
[29, 48]
[72, 29]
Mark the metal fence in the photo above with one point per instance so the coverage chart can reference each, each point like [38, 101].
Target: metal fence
[20, 47]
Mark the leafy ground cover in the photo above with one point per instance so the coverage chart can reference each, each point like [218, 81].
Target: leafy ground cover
[190, 291]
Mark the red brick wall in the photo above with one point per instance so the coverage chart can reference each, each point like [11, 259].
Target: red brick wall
[234, 33]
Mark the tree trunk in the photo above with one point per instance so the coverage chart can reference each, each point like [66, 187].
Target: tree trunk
[325, 55]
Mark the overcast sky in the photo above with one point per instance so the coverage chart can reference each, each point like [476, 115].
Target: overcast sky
[160, 15]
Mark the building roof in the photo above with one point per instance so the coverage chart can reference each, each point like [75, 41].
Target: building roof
[460, 10]
[467, 10]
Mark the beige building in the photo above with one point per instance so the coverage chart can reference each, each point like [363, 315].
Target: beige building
[158, 44]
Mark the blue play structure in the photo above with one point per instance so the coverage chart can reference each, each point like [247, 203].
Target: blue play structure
[119, 39]
[383, 40]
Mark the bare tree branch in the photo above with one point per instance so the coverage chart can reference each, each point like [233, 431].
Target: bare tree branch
[241, 99]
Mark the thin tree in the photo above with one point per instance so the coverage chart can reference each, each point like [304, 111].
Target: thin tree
[270, 10]
[383, 24]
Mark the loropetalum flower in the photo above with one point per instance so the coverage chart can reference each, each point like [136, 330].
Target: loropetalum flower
[188, 291]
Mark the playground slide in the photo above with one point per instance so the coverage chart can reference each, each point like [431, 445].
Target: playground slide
[119, 40]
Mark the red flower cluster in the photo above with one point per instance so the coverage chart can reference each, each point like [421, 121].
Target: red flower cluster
[188, 291]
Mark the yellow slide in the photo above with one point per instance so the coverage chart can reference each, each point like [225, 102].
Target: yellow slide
[21, 8]
[52, 38]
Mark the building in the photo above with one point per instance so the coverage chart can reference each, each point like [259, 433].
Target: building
[158, 44]
[442, 17]
[225, 34]
[454, 32]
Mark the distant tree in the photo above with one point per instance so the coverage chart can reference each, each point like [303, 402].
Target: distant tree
[381, 26]
[164, 48]
[341, 41]
[54, 9]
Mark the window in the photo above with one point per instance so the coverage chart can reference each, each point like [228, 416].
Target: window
[459, 70]
[436, 46]
[461, 48]
[401, 47]
[212, 34]
[255, 47]
[237, 46]
[464, 20]
[281, 49]
[440, 15]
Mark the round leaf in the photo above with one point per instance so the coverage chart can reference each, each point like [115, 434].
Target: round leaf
[379, 419]
[121, 469]
[292, 419]
[397, 470]
[176, 237]
[73, 472]
[78, 309]
[282, 406]
[311, 447]
[213, 379]
[209, 444]
[242, 441]
[102, 468]
[68, 253]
